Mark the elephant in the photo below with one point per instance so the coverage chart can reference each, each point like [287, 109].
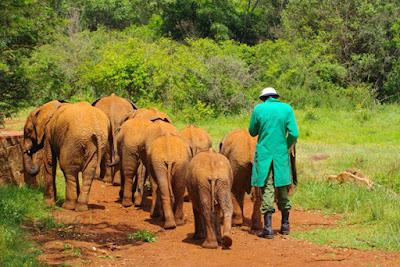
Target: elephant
[34, 149]
[198, 138]
[167, 159]
[76, 135]
[117, 109]
[151, 114]
[132, 138]
[239, 147]
[131, 148]
[209, 181]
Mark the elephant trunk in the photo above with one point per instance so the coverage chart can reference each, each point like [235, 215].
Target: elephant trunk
[30, 166]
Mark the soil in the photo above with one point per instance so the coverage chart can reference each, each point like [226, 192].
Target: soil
[99, 237]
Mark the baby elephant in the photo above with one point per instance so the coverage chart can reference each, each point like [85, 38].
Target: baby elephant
[209, 182]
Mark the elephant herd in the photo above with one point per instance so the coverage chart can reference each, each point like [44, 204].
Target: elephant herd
[113, 140]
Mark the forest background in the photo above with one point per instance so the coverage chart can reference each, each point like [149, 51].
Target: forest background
[200, 58]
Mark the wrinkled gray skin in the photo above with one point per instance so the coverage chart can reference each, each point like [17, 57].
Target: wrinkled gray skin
[76, 135]
[239, 147]
[118, 110]
[209, 181]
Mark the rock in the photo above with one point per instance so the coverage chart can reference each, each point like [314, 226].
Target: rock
[11, 160]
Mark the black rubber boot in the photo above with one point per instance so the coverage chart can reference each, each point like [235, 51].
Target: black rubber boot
[285, 227]
[267, 232]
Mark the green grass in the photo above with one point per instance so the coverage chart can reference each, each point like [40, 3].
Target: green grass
[142, 235]
[363, 139]
[21, 206]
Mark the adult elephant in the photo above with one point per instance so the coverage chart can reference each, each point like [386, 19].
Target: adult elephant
[167, 159]
[76, 135]
[239, 147]
[198, 138]
[117, 109]
[209, 182]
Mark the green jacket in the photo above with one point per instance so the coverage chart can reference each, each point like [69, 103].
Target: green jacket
[275, 125]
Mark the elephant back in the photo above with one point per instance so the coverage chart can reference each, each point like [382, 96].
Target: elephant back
[170, 147]
[239, 147]
[151, 114]
[117, 109]
[198, 138]
[207, 165]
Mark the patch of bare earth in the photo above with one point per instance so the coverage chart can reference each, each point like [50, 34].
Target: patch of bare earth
[99, 237]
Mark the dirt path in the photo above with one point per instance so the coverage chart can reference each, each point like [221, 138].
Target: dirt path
[99, 237]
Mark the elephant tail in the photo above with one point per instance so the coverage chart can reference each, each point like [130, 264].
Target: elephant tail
[99, 155]
[169, 177]
[212, 181]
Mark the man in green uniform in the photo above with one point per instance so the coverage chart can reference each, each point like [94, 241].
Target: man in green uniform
[275, 125]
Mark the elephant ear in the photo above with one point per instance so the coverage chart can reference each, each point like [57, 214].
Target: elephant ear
[41, 117]
[167, 119]
[133, 105]
[95, 102]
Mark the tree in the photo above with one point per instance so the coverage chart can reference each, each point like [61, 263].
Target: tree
[358, 31]
[23, 25]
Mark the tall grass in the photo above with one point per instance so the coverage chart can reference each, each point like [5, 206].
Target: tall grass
[19, 206]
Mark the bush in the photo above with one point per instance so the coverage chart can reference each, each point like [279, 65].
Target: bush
[195, 79]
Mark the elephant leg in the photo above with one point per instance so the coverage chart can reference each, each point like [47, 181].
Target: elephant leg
[129, 173]
[225, 202]
[256, 222]
[50, 165]
[155, 200]
[237, 201]
[209, 220]
[141, 177]
[71, 189]
[108, 170]
[198, 224]
[163, 186]
[87, 178]
[178, 186]
[217, 223]
[116, 175]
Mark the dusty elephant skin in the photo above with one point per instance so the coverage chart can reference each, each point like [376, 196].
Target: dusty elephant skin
[151, 114]
[130, 147]
[155, 130]
[198, 138]
[167, 160]
[239, 147]
[209, 181]
[141, 129]
[76, 135]
[117, 109]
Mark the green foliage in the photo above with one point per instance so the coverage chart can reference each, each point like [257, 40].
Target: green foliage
[23, 25]
[358, 34]
[217, 78]
[142, 235]
[15, 250]
[245, 21]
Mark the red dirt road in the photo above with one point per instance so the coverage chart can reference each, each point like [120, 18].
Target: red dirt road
[99, 237]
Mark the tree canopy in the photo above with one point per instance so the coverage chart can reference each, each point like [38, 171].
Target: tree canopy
[211, 48]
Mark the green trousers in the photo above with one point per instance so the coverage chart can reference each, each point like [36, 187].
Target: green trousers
[267, 204]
